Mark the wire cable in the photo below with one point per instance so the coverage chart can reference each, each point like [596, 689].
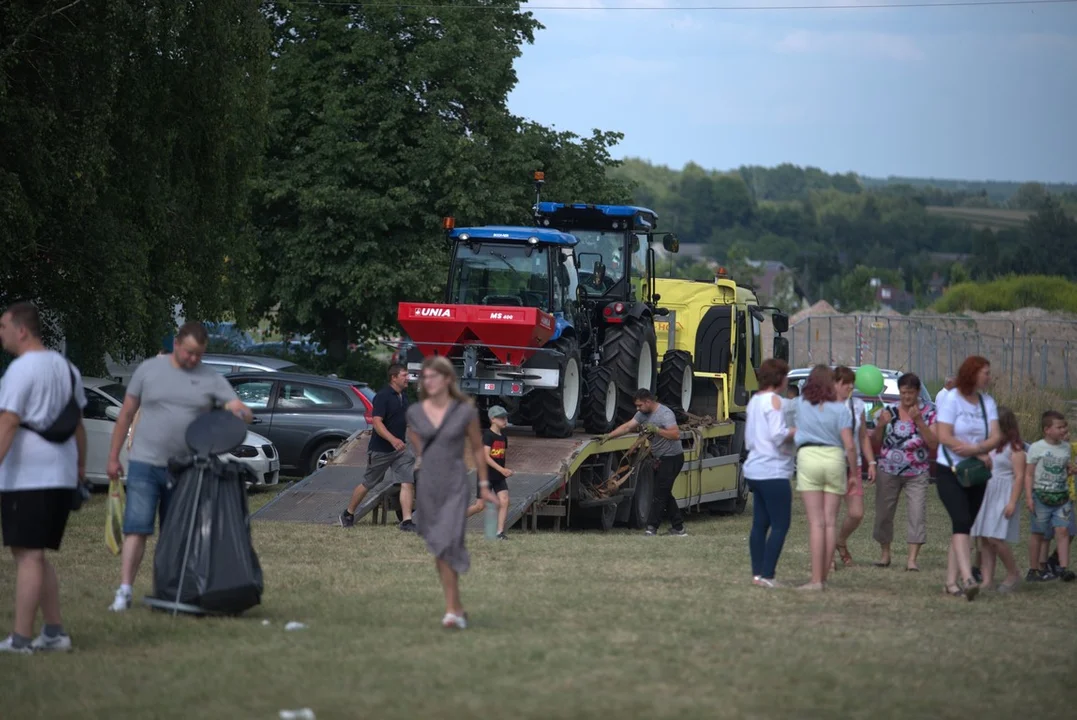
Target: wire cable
[689, 8]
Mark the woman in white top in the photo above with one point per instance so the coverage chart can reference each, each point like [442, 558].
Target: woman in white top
[999, 521]
[844, 380]
[767, 471]
[967, 428]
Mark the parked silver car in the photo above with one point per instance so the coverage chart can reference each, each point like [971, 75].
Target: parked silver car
[104, 398]
[306, 416]
[226, 363]
[874, 404]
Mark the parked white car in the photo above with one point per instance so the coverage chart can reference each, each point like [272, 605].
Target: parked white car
[104, 398]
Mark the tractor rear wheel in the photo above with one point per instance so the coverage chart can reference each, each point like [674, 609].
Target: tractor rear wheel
[600, 405]
[629, 351]
[675, 380]
[554, 412]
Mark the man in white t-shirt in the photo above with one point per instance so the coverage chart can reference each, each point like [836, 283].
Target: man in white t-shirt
[946, 389]
[41, 395]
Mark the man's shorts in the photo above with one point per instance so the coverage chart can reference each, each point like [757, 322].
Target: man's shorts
[147, 495]
[35, 519]
[401, 462]
[497, 484]
[1046, 518]
[822, 469]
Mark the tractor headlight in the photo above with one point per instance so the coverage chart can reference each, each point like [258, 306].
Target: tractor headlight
[464, 237]
[532, 240]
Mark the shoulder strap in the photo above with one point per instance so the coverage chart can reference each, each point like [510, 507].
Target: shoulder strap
[983, 407]
[437, 430]
[70, 400]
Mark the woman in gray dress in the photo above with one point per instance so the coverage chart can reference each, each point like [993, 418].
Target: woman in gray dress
[438, 426]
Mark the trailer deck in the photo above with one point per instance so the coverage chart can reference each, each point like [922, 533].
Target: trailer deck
[540, 487]
[540, 466]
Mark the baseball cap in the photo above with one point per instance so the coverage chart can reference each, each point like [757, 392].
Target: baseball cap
[497, 411]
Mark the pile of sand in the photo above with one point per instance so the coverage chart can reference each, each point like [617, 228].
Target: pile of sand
[820, 308]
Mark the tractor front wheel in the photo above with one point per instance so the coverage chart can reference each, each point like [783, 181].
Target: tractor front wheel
[554, 412]
[675, 380]
[629, 351]
[600, 405]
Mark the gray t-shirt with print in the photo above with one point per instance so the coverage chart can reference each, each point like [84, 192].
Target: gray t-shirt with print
[169, 399]
[663, 417]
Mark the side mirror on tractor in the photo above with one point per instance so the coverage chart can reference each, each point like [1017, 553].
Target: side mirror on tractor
[781, 323]
[781, 348]
[671, 243]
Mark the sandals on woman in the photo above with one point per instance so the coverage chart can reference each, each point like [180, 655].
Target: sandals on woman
[843, 552]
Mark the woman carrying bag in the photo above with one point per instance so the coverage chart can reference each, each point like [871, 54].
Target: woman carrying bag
[905, 436]
[968, 430]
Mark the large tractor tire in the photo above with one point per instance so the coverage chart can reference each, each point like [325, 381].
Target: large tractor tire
[675, 381]
[629, 351]
[554, 413]
[600, 405]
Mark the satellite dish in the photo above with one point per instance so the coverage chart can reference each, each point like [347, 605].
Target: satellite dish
[215, 432]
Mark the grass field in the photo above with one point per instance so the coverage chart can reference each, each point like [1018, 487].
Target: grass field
[979, 218]
[569, 625]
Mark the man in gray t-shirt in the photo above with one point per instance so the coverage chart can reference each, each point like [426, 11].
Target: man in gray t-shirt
[660, 423]
[168, 392]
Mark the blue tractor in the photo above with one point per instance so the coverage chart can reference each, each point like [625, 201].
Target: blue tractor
[509, 323]
[617, 303]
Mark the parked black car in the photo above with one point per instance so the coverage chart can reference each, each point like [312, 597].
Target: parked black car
[306, 417]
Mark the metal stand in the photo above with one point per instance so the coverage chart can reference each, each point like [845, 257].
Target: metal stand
[175, 605]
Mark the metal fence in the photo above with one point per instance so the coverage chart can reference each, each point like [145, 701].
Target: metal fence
[1043, 352]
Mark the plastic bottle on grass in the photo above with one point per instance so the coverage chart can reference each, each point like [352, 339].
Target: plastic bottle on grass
[489, 516]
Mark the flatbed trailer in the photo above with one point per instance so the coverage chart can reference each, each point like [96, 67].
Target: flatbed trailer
[560, 482]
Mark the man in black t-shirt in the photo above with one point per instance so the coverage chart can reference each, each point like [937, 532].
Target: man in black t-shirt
[387, 449]
[497, 445]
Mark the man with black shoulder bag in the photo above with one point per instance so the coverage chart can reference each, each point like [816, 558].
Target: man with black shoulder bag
[42, 472]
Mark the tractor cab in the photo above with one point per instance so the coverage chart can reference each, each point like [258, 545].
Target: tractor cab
[614, 251]
[513, 267]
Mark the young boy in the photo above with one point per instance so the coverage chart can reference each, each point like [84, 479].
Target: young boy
[497, 445]
[1047, 497]
[1051, 561]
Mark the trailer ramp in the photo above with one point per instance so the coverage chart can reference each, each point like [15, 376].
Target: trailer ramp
[539, 465]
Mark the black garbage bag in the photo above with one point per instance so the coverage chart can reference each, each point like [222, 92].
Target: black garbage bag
[222, 573]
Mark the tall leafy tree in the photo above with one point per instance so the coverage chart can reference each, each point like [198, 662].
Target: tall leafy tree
[130, 129]
[384, 119]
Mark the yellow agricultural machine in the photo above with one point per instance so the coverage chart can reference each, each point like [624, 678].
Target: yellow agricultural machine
[710, 338]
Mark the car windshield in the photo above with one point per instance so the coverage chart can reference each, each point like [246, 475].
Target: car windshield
[295, 369]
[116, 391]
[492, 274]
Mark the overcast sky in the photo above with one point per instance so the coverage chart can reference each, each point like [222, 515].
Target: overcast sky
[978, 93]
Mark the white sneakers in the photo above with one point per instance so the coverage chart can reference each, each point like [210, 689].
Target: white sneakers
[121, 602]
[457, 622]
[6, 646]
[42, 643]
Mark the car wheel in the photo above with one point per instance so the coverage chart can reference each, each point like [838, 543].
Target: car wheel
[321, 455]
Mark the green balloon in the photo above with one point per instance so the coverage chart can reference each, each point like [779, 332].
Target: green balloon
[869, 381]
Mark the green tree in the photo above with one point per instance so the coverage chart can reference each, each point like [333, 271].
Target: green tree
[385, 119]
[129, 132]
[1030, 196]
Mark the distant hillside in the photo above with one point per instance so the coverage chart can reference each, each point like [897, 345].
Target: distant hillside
[984, 218]
[997, 191]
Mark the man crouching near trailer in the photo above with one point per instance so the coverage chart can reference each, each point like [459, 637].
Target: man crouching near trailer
[660, 423]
